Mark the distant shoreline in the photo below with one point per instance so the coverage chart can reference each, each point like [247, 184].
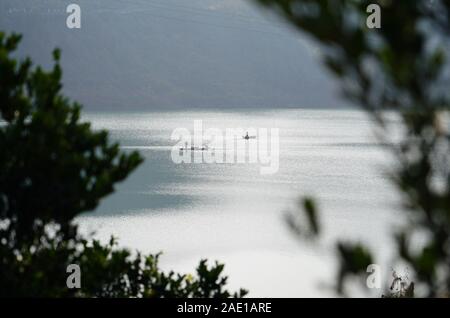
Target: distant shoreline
[214, 109]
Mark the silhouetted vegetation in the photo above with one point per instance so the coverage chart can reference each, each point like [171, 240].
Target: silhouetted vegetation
[402, 66]
[52, 168]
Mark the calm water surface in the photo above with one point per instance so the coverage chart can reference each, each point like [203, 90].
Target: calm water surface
[232, 213]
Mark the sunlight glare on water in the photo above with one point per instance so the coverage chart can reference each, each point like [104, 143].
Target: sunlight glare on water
[232, 213]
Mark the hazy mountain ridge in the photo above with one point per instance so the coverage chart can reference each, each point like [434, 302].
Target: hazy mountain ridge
[143, 54]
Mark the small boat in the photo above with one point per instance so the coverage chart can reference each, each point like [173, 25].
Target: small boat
[192, 148]
[247, 137]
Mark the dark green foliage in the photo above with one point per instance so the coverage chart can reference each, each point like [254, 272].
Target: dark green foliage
[402, 66]
[52, 168]
[39, 269]
[353, 259]
[307, 226]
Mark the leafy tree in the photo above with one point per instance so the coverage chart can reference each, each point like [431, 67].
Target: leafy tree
[38, 269]
[52, 168]
[402, 66]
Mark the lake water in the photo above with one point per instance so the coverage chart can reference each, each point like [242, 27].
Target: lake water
[233, 214]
